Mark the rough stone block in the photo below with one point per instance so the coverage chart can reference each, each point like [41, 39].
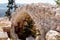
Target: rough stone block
[52, 35]
[3, 36]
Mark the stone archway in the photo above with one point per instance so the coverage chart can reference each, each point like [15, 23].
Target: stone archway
[23, 25]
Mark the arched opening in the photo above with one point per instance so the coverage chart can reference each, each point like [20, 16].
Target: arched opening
[24, 26]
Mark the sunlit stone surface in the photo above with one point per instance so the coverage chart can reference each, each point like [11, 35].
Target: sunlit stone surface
[3, 36]
[1, 30]
[5, 24]
[52, 35]
[5, 27]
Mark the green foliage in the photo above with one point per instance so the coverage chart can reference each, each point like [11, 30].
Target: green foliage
[11, 5]
[57, 2]
[11, 2]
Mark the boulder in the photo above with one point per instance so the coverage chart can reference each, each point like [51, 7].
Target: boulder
[52, 35]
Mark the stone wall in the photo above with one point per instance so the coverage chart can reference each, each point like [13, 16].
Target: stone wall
[45, 16]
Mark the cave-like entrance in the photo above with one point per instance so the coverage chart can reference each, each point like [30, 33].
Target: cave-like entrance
[24, 26]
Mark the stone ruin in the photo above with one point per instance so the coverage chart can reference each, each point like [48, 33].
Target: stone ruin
[45, 16]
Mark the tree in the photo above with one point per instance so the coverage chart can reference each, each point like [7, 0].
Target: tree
[11, 2]
[57, 2]
[11, 5]
[8, 14]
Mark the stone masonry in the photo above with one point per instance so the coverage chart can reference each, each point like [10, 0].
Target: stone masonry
[45, 16]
